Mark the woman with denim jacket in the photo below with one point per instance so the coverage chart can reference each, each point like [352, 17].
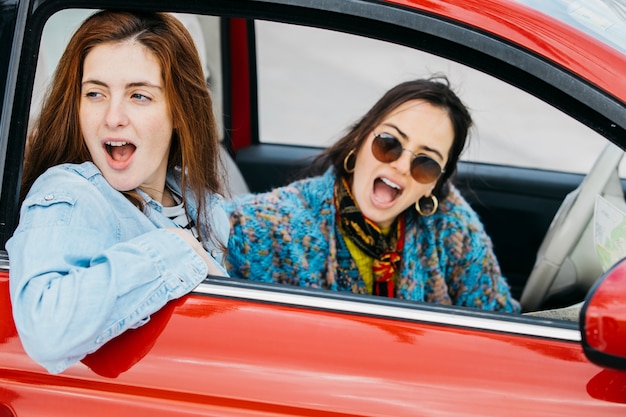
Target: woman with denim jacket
[121, 194]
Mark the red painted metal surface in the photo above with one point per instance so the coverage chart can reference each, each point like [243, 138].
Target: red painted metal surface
[606, 315]
[537, 32]
[240, 100]
[227, 357]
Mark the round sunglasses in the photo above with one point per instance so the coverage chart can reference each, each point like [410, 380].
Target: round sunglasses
[388, 148]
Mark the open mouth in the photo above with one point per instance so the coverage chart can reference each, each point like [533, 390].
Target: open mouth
[120, 151]
[386, 191]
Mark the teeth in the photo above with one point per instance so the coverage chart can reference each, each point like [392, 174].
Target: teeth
[110, 143]
[389, 183]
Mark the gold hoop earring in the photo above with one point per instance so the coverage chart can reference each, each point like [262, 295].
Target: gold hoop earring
[345, 163]
[427, 208]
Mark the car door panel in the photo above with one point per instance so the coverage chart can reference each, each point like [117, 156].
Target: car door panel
[337, 355]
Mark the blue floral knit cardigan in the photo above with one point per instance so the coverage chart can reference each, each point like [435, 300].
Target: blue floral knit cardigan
[289, 236]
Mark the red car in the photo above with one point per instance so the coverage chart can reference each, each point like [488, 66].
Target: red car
[546, 86]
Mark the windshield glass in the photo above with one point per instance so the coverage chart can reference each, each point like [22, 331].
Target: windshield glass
[605, 20]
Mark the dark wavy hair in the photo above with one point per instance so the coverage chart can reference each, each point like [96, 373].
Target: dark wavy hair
[435, 90]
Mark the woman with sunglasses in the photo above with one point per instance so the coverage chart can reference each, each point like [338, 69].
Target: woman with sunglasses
[380, 216]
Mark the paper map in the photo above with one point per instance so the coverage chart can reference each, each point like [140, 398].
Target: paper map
[609, 232]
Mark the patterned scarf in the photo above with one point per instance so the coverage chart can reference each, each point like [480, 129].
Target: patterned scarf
[385, 250]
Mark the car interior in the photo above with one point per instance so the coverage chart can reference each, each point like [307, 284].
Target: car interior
[531, 171]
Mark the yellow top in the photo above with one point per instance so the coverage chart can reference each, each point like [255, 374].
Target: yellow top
[363, 261]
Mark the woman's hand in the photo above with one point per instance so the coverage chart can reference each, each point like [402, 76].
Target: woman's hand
[189, 238]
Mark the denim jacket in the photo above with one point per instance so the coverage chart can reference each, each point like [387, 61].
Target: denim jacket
[86, 264]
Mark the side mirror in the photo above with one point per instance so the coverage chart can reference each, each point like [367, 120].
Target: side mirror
[603, 319]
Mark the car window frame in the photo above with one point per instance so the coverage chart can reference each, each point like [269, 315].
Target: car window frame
[316, 299]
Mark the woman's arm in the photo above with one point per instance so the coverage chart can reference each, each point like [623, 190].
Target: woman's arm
[473, 273]
[74, 286]
[478, 280]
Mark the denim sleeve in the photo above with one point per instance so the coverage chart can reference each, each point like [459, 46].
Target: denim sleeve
[75, 285]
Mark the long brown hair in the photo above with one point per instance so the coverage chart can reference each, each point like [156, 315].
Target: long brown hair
[57, 137]
[436, 91]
